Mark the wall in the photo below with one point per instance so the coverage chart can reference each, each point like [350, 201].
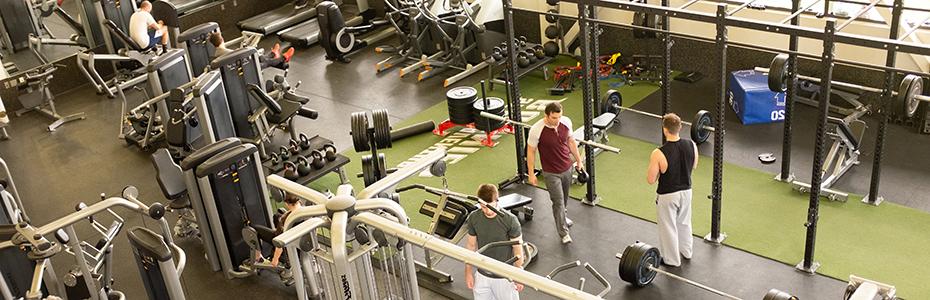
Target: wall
[691, 55]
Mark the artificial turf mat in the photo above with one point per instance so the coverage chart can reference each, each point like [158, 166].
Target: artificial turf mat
[888, 243]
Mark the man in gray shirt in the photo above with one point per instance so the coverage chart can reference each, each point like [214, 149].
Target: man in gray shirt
[487, 226]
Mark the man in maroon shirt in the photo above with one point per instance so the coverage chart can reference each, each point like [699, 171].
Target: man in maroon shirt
[552, 138]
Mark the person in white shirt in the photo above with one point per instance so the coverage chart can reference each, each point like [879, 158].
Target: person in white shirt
[144, 30]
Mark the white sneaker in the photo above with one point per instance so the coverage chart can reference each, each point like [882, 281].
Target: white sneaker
[569, 222]
[566, 239]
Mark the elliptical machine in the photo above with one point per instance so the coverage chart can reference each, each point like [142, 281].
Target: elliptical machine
[338, 39]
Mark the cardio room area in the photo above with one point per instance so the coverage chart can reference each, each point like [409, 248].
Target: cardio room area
[464, 149]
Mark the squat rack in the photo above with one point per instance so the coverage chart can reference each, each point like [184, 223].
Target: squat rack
[830, 34]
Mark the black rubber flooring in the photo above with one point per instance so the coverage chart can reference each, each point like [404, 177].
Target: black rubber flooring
[83, 159]
[599, 234]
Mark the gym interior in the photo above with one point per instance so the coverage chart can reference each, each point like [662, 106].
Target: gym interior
[218, 163]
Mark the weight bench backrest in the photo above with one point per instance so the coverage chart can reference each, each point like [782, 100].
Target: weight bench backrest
[846, 131]
[197, 42]
[122, 36]
[169, 175]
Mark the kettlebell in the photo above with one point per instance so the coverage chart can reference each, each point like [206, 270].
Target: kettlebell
[294, 146]
[318, 159]
[304, 141]
[530, 55]
[275, 160]
[330, 150]
[522, 61]
[290, 170]
[284, 154]
[303, 166]
[582, 176]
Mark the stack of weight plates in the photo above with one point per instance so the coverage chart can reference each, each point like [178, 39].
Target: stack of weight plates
[460, 100]
[496, 107]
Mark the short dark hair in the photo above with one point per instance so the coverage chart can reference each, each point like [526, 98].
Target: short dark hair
[291, 199]
[487, 192]
[553, 107]
[671, 122]
[216, 38]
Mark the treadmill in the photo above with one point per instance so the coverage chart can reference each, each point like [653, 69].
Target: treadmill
[275, 20]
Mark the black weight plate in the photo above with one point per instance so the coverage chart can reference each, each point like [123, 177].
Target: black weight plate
[650, 257]
[611, 98]
[495, 106]
[466, 93]
[359, 132]
[381, 166]
[623, 269]
[459, 102]
[698, 133]
[778, 73]
[368, 170]
[382, 132]
[906, 102]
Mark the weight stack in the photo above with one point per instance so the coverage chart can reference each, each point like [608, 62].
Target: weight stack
[495, 106]
[460, 101]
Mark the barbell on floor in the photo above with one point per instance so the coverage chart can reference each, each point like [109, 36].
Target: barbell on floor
[906, 101]
[638, 265]
[613, 103]
[521, 124]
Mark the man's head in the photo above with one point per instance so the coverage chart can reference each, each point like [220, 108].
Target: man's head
[488, 193]
[216, 38]
[671, 124]
[291, 201]
[553, 114]
[146, 6]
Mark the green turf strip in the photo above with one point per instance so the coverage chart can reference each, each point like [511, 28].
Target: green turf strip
[888, 243]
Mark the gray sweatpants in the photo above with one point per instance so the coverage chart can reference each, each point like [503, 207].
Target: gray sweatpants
[558, 185]
[487, 288]
[674, 215]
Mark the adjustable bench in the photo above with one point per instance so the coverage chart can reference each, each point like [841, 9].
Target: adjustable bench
[843, 154]
[171, 181]
[602, 125]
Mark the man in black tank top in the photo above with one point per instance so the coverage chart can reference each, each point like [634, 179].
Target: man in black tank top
[671, 166]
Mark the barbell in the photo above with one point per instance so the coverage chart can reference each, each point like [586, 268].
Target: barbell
[613, 103]
[580, 141]
[638, 265]
[906, 99]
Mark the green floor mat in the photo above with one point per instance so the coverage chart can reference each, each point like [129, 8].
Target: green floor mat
[888, 243]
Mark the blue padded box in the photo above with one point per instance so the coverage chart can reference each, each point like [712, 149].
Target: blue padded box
[751, 99]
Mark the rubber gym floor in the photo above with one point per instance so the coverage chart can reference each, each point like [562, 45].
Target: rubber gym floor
[764, 218]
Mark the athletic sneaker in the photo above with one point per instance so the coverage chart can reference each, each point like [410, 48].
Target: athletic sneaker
[276, 50]
[288, 54]
[569, 222]
[566, 239]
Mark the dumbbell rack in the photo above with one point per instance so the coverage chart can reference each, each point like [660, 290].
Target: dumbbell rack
[316, 143]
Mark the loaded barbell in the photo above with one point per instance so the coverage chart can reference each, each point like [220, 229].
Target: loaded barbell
[638, 265]
[613, 103]
[521, 124]
[906, 101]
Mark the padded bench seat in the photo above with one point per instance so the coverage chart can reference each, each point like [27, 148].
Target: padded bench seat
[601, 122]
[846, 131]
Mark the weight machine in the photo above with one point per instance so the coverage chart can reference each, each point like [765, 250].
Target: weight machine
[379, 235]
[449, 224]
[39, 98]
[91, 278]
